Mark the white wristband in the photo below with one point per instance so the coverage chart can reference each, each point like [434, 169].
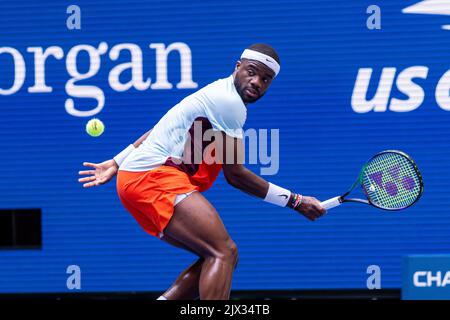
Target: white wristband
[123, 154]
[277, 195]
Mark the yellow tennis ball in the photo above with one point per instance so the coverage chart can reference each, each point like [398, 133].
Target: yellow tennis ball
[95, 127]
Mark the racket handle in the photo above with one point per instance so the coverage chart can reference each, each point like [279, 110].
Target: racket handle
[331, 203]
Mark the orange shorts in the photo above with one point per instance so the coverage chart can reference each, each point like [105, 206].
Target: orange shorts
[150, 195]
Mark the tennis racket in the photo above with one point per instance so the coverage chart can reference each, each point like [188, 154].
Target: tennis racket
[390, 180]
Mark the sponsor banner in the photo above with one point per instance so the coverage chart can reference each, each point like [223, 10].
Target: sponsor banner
[426, 277]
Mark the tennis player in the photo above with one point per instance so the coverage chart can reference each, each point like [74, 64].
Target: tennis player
[160, 177]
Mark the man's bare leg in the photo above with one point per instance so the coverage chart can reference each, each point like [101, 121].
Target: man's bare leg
[186, 285]
[196, 225]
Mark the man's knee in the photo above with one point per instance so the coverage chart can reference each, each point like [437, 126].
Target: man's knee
[226, 251]
[230, 252]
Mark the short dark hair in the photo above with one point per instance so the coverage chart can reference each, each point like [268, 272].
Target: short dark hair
[266, 49]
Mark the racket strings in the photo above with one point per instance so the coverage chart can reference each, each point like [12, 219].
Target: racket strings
[390, 194]
[390, 180]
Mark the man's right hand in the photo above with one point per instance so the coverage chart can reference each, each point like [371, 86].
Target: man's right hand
[103, 172]
[311, 208]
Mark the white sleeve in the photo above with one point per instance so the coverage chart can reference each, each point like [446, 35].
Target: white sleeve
[224, 107]
[228, 118]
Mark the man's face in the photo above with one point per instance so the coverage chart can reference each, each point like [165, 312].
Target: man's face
[252, 79]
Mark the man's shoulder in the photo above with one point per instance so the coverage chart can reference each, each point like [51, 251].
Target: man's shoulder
[223, 92]
[222, 84]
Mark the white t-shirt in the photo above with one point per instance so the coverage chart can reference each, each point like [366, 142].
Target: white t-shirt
[219, 104]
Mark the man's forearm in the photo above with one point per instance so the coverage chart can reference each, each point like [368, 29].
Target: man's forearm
[249, 182]
[118, 159]
[141, 139]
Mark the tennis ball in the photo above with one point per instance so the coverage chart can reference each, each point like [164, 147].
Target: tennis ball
[95, 127]
[372, 188]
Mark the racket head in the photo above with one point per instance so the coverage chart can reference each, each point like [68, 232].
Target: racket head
[391, 180]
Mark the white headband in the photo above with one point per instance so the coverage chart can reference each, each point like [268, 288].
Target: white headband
[263, 58]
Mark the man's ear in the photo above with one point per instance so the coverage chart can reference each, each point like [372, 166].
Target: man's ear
[238, 64]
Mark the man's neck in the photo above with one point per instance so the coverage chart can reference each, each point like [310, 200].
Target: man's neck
[245, 103]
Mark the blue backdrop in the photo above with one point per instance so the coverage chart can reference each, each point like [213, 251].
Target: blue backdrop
[325, 138]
